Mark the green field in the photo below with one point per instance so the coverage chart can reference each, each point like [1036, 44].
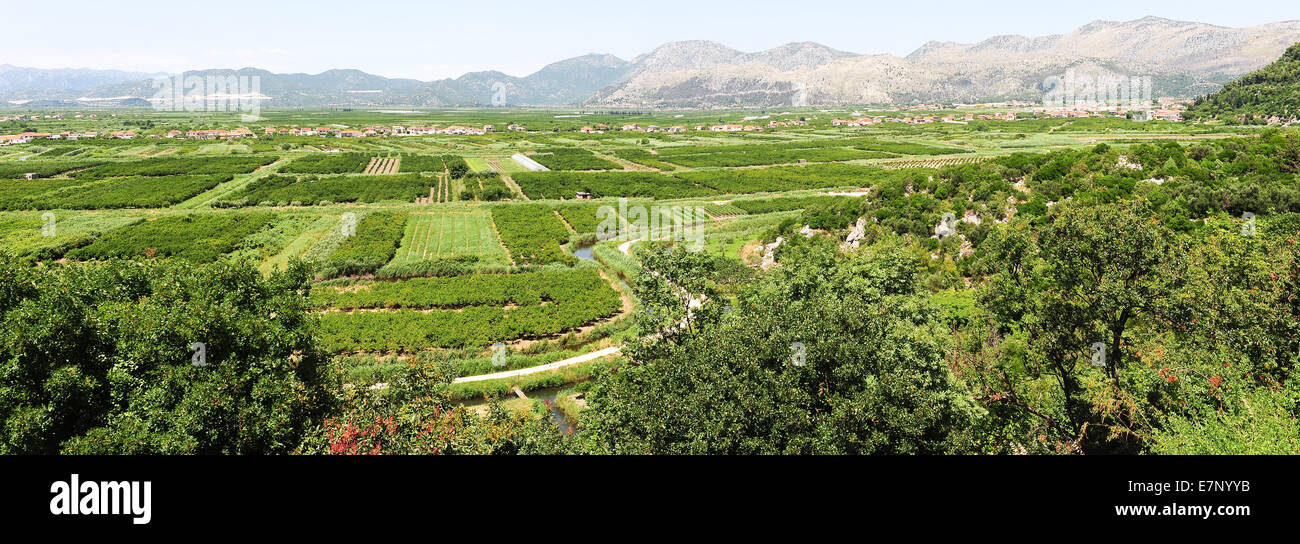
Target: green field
[448, 235]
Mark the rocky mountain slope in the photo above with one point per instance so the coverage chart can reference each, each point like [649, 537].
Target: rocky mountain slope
[1181, 58]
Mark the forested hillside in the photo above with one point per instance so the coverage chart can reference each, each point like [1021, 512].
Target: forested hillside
[1273, 91]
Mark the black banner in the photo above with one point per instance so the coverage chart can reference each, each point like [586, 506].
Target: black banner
[337, 496]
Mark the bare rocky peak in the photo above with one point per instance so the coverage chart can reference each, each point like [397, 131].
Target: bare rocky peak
[1150, 44]
[796, 55]
[702, 54]
[685, 55]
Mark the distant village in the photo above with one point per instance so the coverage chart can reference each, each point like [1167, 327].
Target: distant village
[1169, 109]
[635, 127]
[238, 133]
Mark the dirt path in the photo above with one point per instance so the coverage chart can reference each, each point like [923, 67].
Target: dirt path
[505, 177]
[542, 368]
[230, 187]
[627, 165]
[493, 222]
[510, 182]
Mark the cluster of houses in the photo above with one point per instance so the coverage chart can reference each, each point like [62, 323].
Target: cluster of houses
[213, 134]
[1161, 114]
[26, 137]
[635, 127]
[221, 134]
[1158, 114]
[376, 131]
[924, 119]
[455, 130]
[25, 117]
[50, 117]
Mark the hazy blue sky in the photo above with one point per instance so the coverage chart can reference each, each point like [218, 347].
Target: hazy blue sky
[430, 40]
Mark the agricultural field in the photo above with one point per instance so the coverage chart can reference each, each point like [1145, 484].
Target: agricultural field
[369, 245]
[532, 233]
[565, 185]
[383, 165]
[42, 236]
[463, 311]
[437, 236]
[290, 190]
[486, 187]
[644, 158]
[443, 250]
[194, 238]
[136, 192]
[570, 158]
[169, 166]
[330, 163]
[582, 218]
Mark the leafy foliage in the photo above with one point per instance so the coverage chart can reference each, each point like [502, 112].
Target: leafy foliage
[532, 233]
[826, 355]
[97, 360]
[194, 238]
[373, 245]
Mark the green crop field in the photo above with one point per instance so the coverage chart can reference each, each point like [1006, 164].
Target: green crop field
[195, 238]
[532, 233]
[544, 303]
[448, 235]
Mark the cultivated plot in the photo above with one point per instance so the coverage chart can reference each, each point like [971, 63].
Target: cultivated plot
[437, 236]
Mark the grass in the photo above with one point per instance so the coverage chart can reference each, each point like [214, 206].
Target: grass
[451, 234]
[229, 187]
[21, 233]
[298, 247]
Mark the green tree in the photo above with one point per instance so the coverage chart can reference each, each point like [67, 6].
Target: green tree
[97, 358]
[1077, 288]
[825, 354]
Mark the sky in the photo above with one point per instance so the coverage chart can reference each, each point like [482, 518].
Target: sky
[430, 40]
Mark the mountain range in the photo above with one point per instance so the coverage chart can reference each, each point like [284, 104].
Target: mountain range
[1183, 59]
